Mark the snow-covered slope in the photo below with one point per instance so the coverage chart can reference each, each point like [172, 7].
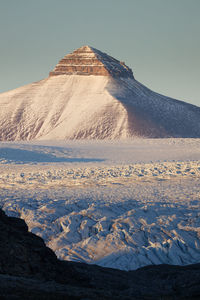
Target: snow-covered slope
[91, 95]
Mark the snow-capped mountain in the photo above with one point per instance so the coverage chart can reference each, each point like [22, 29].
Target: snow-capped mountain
[91, 95]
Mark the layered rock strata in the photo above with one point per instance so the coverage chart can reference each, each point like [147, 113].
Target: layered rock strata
[90, 61]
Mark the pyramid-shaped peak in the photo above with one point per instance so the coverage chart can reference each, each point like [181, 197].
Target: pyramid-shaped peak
[84, 49]
[87, 60]
[84, 52]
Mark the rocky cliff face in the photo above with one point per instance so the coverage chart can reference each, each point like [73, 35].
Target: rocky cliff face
[90, 61]
[30, 270]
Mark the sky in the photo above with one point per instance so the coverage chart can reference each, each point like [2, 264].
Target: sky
[158, 39]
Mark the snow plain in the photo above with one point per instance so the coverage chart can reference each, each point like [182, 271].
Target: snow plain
[116, 204]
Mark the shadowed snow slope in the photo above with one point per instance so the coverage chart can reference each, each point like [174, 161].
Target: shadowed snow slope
[104, 102]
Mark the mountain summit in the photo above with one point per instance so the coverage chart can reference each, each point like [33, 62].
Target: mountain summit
[91, 95]
[90, 61]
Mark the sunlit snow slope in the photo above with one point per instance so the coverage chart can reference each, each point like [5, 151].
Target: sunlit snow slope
[92, 95]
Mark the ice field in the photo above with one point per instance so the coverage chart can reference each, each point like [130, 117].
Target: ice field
[117, 204]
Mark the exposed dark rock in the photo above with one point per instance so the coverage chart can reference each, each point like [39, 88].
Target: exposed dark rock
[30, 270]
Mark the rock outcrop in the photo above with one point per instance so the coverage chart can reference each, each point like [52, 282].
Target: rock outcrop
[90, 61]
[23, 253]
[30, 270]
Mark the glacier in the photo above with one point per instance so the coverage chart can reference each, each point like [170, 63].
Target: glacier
[116, 204]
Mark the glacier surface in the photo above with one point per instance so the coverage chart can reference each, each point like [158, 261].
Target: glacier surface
[116, 204]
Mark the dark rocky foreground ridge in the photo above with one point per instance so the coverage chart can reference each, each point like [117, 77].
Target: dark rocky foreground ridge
[30, 270]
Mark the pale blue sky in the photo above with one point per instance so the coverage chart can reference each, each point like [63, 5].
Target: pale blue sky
[158, 39]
